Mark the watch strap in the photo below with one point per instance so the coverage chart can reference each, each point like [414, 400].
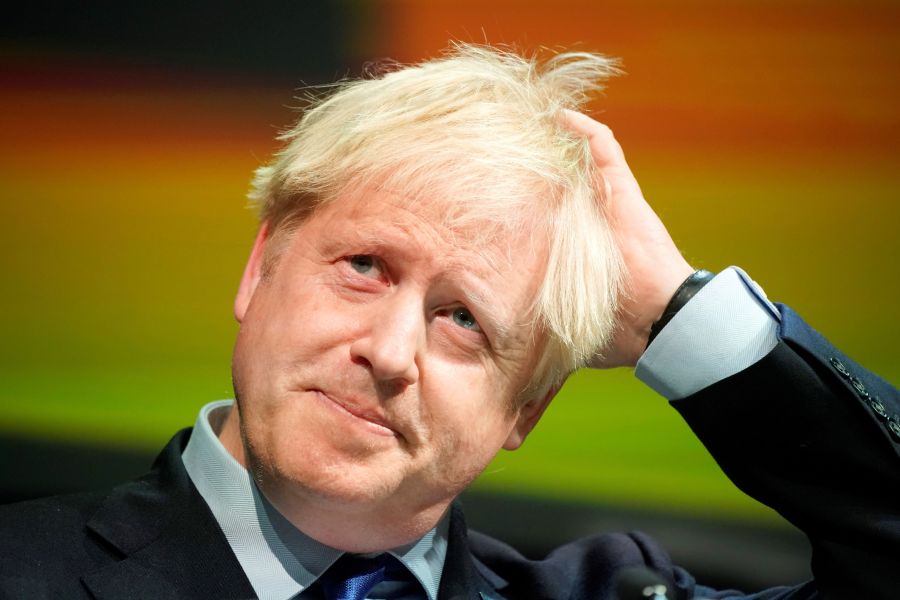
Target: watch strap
[687, 290]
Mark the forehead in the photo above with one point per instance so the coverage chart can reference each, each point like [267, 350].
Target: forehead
[434, 224]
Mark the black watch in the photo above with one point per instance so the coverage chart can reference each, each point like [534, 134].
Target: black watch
[687, 290]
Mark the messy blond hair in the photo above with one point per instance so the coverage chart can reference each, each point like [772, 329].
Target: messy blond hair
[481, 129]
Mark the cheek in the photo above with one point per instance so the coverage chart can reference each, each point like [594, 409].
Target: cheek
[468, 417]
[285, 324]
[283, 339]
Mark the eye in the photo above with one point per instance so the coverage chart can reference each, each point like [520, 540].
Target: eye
[365, 264]
[462, 317]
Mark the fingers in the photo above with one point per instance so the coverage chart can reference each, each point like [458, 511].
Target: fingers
[615, 175]
[604, 147]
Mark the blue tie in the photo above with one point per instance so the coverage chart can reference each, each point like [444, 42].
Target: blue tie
[352, 577]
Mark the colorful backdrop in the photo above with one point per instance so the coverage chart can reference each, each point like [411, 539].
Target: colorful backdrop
[765, 133]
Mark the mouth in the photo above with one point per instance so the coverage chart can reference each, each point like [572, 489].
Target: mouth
[373, 420]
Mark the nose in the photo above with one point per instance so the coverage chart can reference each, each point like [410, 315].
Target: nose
[391, 338]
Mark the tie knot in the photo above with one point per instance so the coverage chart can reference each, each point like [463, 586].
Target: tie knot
[353, 577]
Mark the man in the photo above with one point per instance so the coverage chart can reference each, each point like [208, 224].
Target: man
[439, 248]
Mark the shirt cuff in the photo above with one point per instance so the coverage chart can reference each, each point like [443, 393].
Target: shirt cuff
[726, 327]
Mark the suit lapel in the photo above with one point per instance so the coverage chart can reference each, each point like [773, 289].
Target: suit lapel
[464, 577]
[169, 543]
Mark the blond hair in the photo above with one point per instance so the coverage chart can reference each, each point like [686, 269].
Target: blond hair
[482, 128]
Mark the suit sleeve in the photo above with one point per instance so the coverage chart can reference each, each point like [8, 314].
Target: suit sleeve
[812, 434]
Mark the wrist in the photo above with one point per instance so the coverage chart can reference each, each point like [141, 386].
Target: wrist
[682, 295]
[644, 299]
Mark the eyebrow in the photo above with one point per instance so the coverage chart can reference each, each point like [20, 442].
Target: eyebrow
[375, 238]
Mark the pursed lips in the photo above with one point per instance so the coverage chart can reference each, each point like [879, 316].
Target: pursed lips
[355, 409]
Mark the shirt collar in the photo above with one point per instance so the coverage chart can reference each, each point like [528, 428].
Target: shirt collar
[279, 560]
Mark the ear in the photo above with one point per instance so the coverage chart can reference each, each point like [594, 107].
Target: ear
[252, 273]
[529, 415]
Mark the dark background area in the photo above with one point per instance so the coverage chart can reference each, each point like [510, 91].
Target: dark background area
[271, 40]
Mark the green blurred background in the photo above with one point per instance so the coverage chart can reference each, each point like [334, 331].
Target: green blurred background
[765, 133]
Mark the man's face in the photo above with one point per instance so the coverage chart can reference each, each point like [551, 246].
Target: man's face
[379, 363]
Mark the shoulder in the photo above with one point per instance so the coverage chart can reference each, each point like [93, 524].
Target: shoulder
[46, 539]
[47, 515]
[59, 536]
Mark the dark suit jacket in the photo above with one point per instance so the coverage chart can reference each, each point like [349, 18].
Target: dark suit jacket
[806, 430]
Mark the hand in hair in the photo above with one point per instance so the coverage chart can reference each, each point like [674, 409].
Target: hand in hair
[654, 267]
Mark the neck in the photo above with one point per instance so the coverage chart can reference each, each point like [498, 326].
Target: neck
[349, 527]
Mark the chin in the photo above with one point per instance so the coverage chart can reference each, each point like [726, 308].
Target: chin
[330, 476]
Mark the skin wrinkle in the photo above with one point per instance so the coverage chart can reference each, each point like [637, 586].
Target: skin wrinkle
[486, 237]
[503, 342]
[376, 240]
[409, 434]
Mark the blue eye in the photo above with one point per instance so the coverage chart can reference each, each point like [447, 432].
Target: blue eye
[464, 319]
[362, 263]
